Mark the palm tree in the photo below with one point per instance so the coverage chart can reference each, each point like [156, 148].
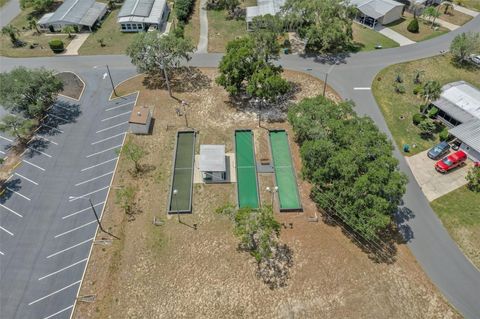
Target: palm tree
[33, 25]
[431, 92]
[447, 5]
[69, 29]
[417, 78]
[12, 32]
[431, 12]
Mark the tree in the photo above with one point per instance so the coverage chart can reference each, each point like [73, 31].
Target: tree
[447, 5]
[430, 12]
[134, 153]
[29, 92]
[33, 25]
[325, 24]
[154, 53]
[473, 178]
[417, 76]
[69, 29]
[427, 127]
[17, 126]
[431, 92]
[125, 197]
[465, 44]
[267, 83]
[13, 33]
[37, 5]
[183, 9]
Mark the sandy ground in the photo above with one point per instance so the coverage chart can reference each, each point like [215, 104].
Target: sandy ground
[174, 271]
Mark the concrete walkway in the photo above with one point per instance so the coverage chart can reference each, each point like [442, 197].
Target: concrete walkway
[395, 36]
[76, 43]
[203, 41]
[9, 11]
[445, 24]
[465, 10]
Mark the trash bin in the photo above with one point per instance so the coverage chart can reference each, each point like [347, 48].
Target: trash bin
[286, 51]
[406, 148]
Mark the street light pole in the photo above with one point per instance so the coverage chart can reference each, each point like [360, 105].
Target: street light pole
[325, 84]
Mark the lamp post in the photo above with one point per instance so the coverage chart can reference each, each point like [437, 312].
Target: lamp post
[175, 192]
[272, 191]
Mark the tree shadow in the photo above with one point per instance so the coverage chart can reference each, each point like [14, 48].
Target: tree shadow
[8, 187]
[330, 59]
[182, 79]
[35, 147]
[61, 113]
[275, 271]
[402, 216]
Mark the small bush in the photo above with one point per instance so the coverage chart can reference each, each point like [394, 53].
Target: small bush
[418, 118]
[444, 135]
[56, 45]
[422, 108]
[432, 113]
[473, 178]
[417, 89]
[183, 9]
[399, 88]
[413, 26]
[179, 30]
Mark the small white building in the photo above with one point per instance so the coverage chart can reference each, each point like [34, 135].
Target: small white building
[140, 120]
[381, 11]
[213, 163]
[82, 14]
[140, 15]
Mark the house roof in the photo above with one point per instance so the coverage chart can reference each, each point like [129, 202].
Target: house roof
[375, 8]
[140, 115]
[264, 7]
[83, 12]
[142, 11]
[460, 100]
[469, 133]
[212, 158]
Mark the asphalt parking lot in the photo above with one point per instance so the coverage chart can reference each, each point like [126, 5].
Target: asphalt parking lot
[47, 226]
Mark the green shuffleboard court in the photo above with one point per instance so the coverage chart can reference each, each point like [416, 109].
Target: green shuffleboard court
[247, 186]
[183, 173]
[284, 171]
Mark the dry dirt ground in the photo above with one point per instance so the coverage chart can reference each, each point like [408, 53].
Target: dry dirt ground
[73, 86]
[174, 271]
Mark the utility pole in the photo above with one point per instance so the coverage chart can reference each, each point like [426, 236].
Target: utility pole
[111, 81]
[325, 84]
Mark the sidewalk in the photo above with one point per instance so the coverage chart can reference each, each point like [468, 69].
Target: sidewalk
[395, 36]
[465, 10]
[9, 11]
[76, 43]
[448, 25]
[203, 42]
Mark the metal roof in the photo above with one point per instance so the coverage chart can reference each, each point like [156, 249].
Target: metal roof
[142, 11]
[453, 110]
[212, 158]
[83, 12]
[469, 133]
[264, 7]
[375, 8]
[464, 96]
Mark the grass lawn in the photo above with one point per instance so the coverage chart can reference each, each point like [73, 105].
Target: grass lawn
[471, 4]
[460, 214]
[454, 16]
[426, 32]
[36, 44]
[396, 106]
[366, 39]
[192, 28]
[221, 30]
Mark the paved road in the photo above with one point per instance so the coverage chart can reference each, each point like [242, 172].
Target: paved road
[439, 256]
[9, 11]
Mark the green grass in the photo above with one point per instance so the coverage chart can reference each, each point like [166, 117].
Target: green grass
[460, 214]
[366, 39]
[115, 41]
[426, 32]
[394, 105]
[221, 30]
[471, 4]
[454, 16]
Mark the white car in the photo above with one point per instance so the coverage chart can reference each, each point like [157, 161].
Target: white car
[475, 58]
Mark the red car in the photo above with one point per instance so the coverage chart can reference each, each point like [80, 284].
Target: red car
[451, 161]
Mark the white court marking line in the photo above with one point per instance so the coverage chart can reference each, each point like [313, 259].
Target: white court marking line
[71, 247]
[11, 210]
[46, 139]
[15, 192]
[118, 115]
[82, 196]
[58, 117]
[53, 128]
[108, 128]
[43, 153]
[58, 312]
[82, 210]
[90, 180]
[27, 179]
[90, 167]
[108, 149]
[53, 293]
[362, 89]
[76, 228]
[6, 230]
[33, 165]
[6, 139]
[118, 106]
[109, 138]
[64, 268]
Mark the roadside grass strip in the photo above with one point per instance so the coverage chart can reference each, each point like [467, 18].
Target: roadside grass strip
[55, 292]
[247, 184]
[284, 173]
[11, 210]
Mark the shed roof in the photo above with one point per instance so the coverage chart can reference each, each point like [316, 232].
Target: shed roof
[139, 115]
[212, 158]
[469, 133]
[264, 7]
[83, 12]
[375, 8]
[142, 11]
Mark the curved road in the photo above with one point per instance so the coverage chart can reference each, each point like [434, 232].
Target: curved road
[438, 254]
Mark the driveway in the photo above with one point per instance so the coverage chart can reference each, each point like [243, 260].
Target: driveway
[433, 183]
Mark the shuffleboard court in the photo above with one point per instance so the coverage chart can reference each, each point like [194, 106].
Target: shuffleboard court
[284, 172]
[183, 173]
[247, 186]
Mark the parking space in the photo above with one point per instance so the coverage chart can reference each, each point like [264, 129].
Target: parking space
[433, 183]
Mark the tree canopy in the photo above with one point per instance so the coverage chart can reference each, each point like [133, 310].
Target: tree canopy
[37, 5]
[17, 126]
[465, 44]
[350, 163]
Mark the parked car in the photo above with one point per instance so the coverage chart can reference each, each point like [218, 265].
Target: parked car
[451, 161]
[439, 150]
[475, 59]
[456, 144]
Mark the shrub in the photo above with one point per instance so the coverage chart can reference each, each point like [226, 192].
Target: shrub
[56, 45]
[413, 26]
[399, 88]
[287, 44]
[432, 113]
[183, 9]
[443, 135]
[422, 108]
[417, 89]
[427, 128]
[473, 178]
[179, 30]
[418, 118]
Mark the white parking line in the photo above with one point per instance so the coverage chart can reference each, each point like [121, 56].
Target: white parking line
[6, 139]
[25, 161]
[114, 126]
[90, 180]
[90, 167]
[64, 268]
[11, 210]
[59, 312]
[35, 150]
[71, 247]
[118, 115]
[2, 152]
[109, 138]
[82, 210]
[108, 149]
[6, 230]
[118, 106]
[76, 228]
[53, 128]
[63, 107]
[362, 89]
[84, 195]
[58, 117]
[2, 253]
[55, 292]
[15, 192]
[46, 139]
[27, 179]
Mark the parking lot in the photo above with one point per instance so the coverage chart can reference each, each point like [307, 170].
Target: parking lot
[47, 225]
[433, 183]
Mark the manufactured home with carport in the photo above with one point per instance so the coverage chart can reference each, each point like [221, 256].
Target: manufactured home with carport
[140, 15]
[380, 11]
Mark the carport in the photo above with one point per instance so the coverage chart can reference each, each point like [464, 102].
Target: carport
[374, 12]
